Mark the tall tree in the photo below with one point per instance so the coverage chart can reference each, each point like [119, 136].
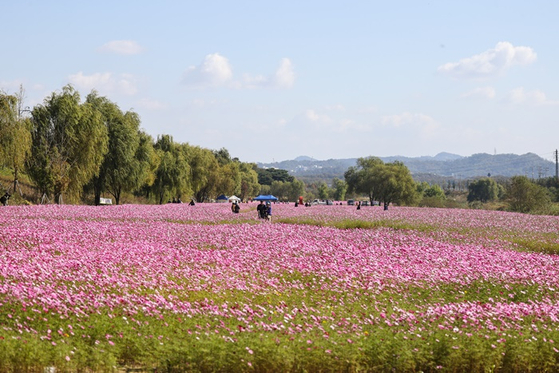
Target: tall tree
[483, 190]
[280, 189]
[204, 171]
[172, 174]
[267, 175]
[15, 135]
[296, 190]
[525, 196]
[118, 171]
[339, 189]
[323, 191]
[364, 178]
[229, 179]
[147, 162]
[249, 181]
[222, 156]
[396, 185]
[388, 183]
[69, 142]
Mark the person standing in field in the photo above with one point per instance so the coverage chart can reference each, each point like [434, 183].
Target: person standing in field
[261, 209]
[269, 212]
[5, 199]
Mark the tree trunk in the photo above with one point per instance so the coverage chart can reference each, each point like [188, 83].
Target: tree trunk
[117, 195]
[97, 189]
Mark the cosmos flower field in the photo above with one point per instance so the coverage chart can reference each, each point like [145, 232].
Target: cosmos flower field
[324, 288]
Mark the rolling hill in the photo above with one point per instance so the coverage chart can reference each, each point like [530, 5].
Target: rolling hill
[441, 165]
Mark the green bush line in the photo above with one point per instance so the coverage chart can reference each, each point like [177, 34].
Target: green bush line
[359, 224]
[178, 343]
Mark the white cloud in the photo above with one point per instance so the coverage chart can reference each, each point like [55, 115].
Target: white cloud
[328, 124]
[214, 71]
[491, 62]
[285, 75]
[105, 83]
[8, 87]
[313, 116]
[126, 47]
[426, 125]
[536, 97]
[481, 92]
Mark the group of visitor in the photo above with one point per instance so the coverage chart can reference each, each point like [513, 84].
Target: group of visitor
[264, 210]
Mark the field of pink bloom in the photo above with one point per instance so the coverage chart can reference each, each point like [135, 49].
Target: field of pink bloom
[323, 288]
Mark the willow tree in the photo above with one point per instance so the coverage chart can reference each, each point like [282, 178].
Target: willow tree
[249, 181]
[204, 171]
[172, 174]
[119, 171]
[387, 183]
[396, 185]
[147, 162]
[69, 142]
[339, 189]
[229, 179]
[15, 135]
[364, 178]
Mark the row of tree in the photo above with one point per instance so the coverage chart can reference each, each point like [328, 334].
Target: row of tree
[392, 183]
[520, 193]
[70, 148]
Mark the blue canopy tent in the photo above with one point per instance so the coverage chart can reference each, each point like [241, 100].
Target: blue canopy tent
[266, 198]
[222, 198]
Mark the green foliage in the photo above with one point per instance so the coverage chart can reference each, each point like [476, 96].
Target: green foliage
[525, 196]
[339, 189]
[203, 172]
[434, 191]
[69, 142]
[432, 202]
[387, 183]
[15, 135]
[483, 190]
[172, 174]
[222, 156]
[249, 181]
[365, 177]
[431, 195]
[552, 185]
[323, 191]
[268, 175]
[229, 179]
[126, 164]
[285, 191]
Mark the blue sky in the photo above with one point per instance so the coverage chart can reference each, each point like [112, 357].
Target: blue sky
[275, 80]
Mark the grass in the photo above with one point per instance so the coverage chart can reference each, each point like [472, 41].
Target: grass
[359, 224]
[204, 343]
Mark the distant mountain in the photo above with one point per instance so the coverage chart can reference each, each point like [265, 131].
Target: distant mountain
[443, 164]
[304, 158]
